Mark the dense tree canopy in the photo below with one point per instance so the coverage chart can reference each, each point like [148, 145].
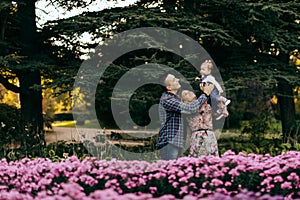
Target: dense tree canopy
[24, 60]
[250, 41]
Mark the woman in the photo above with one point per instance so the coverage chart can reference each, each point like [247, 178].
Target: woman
[203, 139]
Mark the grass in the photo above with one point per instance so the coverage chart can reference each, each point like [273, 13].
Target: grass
[225, 134]
[70, 124]
[87, 124]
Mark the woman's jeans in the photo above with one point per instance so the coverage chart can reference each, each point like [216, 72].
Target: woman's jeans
[170, 152]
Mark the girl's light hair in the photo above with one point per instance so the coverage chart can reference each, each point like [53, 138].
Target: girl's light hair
[208, 64]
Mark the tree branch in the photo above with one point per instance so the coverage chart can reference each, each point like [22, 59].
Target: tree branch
[8, 85]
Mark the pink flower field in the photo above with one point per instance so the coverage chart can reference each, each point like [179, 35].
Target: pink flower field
[231, 176]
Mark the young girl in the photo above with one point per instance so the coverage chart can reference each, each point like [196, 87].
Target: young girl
[218, 102]
[203, 139]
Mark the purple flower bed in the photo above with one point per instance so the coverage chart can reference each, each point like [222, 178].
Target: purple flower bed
[228, 177]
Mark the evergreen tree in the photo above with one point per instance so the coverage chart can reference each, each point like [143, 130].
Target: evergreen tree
[24, 57]
[248, 40]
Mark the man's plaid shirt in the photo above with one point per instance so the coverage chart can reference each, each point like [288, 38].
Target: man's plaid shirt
[170, 108]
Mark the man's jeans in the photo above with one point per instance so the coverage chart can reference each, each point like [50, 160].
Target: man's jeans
[170, 152]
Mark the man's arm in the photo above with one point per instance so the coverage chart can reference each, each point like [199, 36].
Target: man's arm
[176, 105]
[195, 105]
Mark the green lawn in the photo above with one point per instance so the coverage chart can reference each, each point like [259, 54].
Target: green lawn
[70, 124]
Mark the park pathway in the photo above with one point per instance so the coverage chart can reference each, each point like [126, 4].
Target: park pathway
[76, 135]
[62, 134]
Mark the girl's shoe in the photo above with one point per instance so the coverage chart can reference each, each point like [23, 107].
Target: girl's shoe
[227, 102]
[220, 116]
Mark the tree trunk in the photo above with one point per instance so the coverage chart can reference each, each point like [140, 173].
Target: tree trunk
[29, 76]
[287, 109]
[31, 101]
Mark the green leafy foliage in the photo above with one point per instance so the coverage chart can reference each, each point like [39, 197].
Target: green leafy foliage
[10, 129]
[256, 44]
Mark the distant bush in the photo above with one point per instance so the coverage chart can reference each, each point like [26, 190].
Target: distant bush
[16, 142]
[63, 117]
[9, 115]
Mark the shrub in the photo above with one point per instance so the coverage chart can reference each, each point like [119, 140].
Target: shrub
[196, 178]
[10, 128]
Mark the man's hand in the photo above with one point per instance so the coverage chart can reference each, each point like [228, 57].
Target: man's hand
[207, 88]
[197, 79]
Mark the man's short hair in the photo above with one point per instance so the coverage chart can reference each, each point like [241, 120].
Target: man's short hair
[165, 81]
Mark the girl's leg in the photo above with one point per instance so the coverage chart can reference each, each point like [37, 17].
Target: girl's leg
[214, 97]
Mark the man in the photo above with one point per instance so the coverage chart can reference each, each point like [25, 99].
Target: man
[170, 137]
